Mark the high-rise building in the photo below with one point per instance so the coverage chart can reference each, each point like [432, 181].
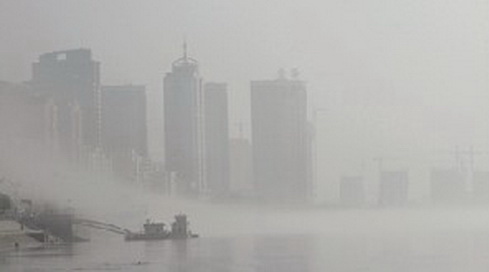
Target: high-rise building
[27, 119]
[124, 126]
[124, 129]
[72, 79]
[240, 170]
[280, 140]
[183, 125]
[216, 139]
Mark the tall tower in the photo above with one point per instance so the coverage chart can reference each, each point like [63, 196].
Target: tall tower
[183, 124]
[279, 138]
[124, 126]
[72, 79]
[124, 129]
[216, 138]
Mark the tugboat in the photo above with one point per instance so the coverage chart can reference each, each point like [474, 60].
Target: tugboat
[157, 231]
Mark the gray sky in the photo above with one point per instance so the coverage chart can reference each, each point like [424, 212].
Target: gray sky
[396, 77]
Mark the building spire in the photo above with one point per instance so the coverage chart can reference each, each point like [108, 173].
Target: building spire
[185, 49]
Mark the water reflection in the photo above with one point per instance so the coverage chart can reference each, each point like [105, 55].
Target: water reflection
[279, 253]
[434, 251]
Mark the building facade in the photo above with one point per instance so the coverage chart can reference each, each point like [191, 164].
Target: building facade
[240, 167]
[216, 139]
[182, 94]
[279, 139]
[72, 79]
[124, 128]
[27, 119]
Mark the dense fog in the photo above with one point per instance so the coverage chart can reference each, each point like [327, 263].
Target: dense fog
[330, 119]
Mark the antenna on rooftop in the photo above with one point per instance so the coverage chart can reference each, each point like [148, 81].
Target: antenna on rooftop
[185, 48]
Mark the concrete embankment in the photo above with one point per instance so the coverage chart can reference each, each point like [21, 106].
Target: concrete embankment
[12, 236]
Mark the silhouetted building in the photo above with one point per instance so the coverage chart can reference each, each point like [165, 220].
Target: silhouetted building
[124, 126]
[27, 119]
[393, 188]
[72, 78]
[352, 191]
[183, 125]
[447, 185]
[241, 170]
[216, 139]
[279, 137]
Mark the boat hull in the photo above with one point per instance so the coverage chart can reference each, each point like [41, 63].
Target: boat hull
[146, 237]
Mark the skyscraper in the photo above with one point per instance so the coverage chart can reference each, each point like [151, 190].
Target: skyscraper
[216, 138]
[124, 129]
[124, 126]
[183, 124]
[279, 138]
[26, 118]
[240, 166]
[72, 79]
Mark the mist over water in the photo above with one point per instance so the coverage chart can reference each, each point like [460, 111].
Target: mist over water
[251, 237]
[367, 94]
[237, 239]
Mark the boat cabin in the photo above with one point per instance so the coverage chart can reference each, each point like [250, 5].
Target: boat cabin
[153, 228]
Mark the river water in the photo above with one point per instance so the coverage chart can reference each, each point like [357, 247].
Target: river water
[438, 247]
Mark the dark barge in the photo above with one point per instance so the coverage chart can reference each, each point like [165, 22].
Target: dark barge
[157, 231]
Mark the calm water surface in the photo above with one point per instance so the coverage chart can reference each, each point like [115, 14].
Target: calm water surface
[428, 251]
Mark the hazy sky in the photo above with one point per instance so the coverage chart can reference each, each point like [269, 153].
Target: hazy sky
[394, 77]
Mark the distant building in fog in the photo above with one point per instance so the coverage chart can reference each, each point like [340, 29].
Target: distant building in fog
[216, 138]
[280, 140]
[241, 175]
[393, 188]
[72, 79]
[447, 185]
[352, 191]
[124, 119]
[124, 128]
[183, 125]
[27, 119]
